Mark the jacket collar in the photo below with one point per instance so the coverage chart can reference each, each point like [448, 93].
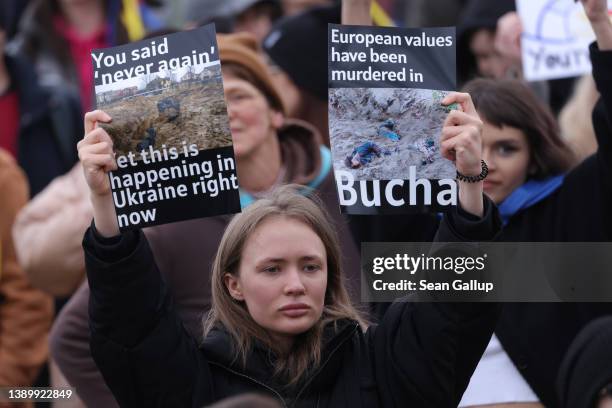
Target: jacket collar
[218, 349]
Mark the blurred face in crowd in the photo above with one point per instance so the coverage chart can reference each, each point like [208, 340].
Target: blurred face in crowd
[507, 153]
[290, 92]
[71, 3]
[256, 20]
[292, 7]
[490, 63]
[252, 122]
[282, 277]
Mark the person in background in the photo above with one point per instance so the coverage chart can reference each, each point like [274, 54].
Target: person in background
[234, 16]
[25, 312]
[364, 154]
[299, 63]
[39, 128]
[534, 179]
[476, 52]
[585, 376]
[47, 26]
[507, 47]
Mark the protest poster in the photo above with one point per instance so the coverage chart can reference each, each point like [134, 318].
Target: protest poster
[170, 129]
[385, 117]
[555, 40]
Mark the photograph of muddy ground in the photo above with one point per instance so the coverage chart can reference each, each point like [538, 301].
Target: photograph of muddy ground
[404, 124]
[169, 111]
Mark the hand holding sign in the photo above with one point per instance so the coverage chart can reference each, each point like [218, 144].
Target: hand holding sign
[96, 153]
[97, 158]
[461, 139]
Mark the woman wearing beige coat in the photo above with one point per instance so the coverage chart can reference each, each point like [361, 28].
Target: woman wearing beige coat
[61, 211]
[25, 313]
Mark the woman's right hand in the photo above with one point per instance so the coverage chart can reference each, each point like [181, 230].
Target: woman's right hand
[96, 153]
[97, 158]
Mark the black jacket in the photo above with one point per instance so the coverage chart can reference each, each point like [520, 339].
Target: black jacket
[421, 354]
[536, 336]
[50, 126]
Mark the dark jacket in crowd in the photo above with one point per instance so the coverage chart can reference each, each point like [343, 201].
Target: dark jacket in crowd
[420, 355]
[184, 252]
[536, 336]
[50, 126]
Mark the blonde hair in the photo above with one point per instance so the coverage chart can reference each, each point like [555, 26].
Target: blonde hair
[233, 316]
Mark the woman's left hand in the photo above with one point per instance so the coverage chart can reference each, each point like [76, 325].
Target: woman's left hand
[461, 142]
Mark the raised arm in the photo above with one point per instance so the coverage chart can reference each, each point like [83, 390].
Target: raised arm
[138, 342]
[597, 13]
[601, 57]
[97, 158]
[425, 353]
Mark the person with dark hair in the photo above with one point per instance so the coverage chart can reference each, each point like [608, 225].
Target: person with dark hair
[299, 63]
[38, 128]
[585, 376]
[543, 196]
[522, 137]
[58, 36]
[475, 40]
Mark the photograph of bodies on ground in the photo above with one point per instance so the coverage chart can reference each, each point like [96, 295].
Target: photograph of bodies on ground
[378, 133]
[167, 109]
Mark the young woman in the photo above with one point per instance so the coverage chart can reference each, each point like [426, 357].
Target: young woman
[281, 321]
[541, 199]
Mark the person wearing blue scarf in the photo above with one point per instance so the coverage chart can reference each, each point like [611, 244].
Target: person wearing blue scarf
[270, 151]
[543, 195]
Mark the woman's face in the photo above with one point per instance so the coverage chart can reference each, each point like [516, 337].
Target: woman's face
[252, 121]
[490, 63]
[506, 152]
[282, 277]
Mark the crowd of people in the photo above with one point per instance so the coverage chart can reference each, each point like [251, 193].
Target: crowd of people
[263, 309]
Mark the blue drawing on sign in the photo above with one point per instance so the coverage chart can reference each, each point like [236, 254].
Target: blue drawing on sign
[555, 13]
